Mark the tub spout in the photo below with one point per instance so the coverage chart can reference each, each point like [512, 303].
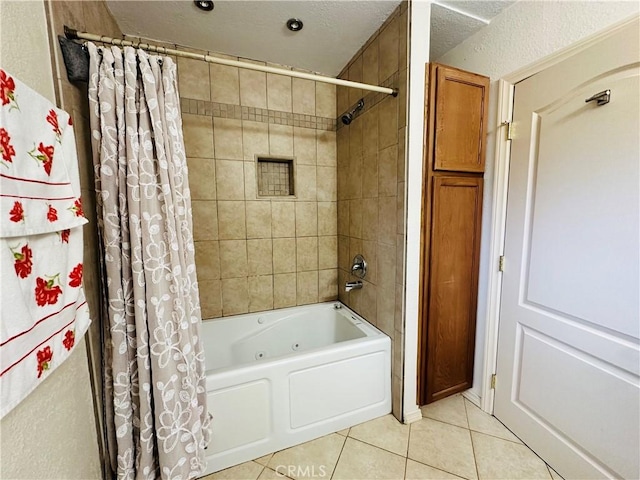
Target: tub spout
[357, 285]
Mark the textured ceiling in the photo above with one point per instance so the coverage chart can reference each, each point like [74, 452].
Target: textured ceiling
[333, 32]
[452, 21]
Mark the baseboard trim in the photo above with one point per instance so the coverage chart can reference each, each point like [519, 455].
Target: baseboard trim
[473, 397]
[412, 416]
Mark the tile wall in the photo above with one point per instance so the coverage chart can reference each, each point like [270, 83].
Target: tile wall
[371, 185]
[255, 253]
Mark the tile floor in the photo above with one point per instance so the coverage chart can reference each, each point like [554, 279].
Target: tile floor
[454, 439]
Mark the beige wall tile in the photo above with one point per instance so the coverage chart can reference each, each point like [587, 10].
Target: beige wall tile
[306, 182]
[279, 93]
[283, 219]
[304, 145]
[388, 171]
[370, 175]
[210, 298]
[370, 219]
[402, 159]
[255, 139]
[387, 268]
[327, 252]
[231, 220]
[387, 122]
[260, 293]
[205, 220]
[344, 258]
[400, 203]
[284, 255]
[355, 248]
[370, 254]
[306, 219]
[368, 303]
[343, 217]
[284, 290]
[235, 296]
[327, 285]
[225, 84]
[228, 138]
[307, 254]
[399, 314]
[355, 218]
[354, 181]
[253, 88]
[326, 148]
[327, 184]
[370, 64]
[400, 244]
[355, 138]
[403, 49]
[307, 288]
[355, 75]
[342, 99]
[327, 218]
[250, 181]
[229, 180]
[386, 310]
[198, 135]
[402, 98]
[387, 223]
[343, 295]
[202, 178]
[193, 79]
[388, 53]
[259, 219]
[304, 96]
[370, 131]
[280, 140]
[260, 256]
[233, 258]
[325, 100]
[207, 260]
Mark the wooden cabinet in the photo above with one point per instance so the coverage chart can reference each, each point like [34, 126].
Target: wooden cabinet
[452, 212]
[460, 118]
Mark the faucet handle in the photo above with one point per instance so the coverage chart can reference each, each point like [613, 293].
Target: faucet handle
[359, 266]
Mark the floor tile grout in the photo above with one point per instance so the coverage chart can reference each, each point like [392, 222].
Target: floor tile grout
[381, 448]
[339, 456]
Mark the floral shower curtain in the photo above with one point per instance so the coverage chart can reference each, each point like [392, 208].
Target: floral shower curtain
[155, 399]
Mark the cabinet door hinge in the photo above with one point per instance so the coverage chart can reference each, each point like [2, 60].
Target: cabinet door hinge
[509, 126]
[493, 381]
[501, 264]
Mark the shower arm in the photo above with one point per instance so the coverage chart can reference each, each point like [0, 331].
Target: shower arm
[72, 34]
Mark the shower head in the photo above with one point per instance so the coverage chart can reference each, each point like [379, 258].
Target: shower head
[348, 117]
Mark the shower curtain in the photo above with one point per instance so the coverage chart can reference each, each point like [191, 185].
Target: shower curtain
[155, 400]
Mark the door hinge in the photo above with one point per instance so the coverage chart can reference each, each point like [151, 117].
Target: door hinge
[509, 126]
[501, 264]
[493, 381]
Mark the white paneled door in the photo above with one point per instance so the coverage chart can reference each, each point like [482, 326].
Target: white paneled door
[568, 350]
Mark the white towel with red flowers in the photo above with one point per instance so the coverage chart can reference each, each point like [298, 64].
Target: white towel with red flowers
[43, 311]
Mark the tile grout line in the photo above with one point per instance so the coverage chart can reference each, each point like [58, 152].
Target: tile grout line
[379, 447]
[339, 456]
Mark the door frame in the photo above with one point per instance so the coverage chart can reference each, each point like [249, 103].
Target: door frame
[506, 89]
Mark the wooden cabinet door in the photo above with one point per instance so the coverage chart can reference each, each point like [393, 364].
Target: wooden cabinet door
[461, 108]
[453, 284]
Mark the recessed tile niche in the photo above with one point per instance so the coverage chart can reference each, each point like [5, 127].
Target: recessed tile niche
[275, 177]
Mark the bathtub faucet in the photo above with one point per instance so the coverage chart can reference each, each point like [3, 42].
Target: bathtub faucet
[357, 285]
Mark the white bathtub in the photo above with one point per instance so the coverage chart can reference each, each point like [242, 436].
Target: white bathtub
[283, 377]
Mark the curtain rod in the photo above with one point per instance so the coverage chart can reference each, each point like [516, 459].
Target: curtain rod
[72, 34]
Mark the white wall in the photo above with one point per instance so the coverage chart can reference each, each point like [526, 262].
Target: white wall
[521, 35]
[420, 11]
[52, 433]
